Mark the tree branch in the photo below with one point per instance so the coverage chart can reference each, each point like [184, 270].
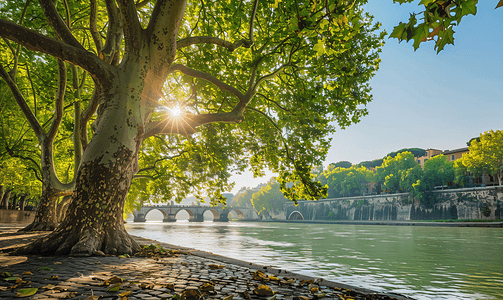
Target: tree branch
[210, 78]
[185, 42]
[57, 23]
[40, 43]
[275, 103]
[272, 75]
[131, 25]
[162, 159]
[187, 124]
[60, 97]
[93, 27]
[35, 125]
[142, 3]
[252, 20]
[114, 33]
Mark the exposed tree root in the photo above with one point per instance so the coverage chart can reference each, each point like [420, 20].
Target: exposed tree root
[39, 226]
[85, 243]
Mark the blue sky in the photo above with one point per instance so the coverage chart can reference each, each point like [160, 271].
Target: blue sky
[422, 99]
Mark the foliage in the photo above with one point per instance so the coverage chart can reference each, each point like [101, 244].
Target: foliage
[485, 155]
[417, 152]
[346, 182]
[244, 196]
[371, 164]
[390, 172]
[436, 23]
[421, 182]
[340, 164]
[269, 198]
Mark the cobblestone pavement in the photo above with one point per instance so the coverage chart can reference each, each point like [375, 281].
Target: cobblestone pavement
[185, 275]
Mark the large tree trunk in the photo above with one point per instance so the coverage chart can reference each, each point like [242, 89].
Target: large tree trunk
[45, 217]
[5, 198]
[94, 220]
[62, 207]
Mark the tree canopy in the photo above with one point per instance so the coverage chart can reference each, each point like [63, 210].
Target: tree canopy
[485, 155]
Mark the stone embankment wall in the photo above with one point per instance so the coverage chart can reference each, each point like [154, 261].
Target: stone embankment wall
[474, 203]
[16, 216]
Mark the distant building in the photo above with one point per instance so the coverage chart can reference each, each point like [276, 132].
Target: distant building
[429, 154]
[455, 154]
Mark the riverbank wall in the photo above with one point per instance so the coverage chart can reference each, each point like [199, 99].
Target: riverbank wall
[16, 216]
[485, 203]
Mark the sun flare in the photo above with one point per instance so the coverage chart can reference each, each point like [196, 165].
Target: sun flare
[175, 111]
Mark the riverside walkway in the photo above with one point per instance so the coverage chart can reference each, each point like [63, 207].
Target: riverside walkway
[187, 274]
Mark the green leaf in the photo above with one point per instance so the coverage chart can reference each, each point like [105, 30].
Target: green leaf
[469, 7]
[398, 31]
[319, 47]
[11, 278]
[45, 269]
[26, 292]
[114, 287]
[426, 2]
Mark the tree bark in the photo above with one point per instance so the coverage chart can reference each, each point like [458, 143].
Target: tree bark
[22, 202]
[62, 208]
[5, 198]
[45, 217]
[94, 219]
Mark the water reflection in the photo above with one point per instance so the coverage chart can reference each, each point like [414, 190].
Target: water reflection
[422, 262]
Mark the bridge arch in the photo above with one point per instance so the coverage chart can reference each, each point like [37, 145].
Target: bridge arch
[187, 210]
[238, 212]
[296, 215]
[164, 214]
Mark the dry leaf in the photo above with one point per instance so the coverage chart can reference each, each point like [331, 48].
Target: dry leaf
[49, 287]
[125, 294]
[27, 273]
[263, 290]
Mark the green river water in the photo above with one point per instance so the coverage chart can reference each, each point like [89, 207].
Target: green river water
[420, 262]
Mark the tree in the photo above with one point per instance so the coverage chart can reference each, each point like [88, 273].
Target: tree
[272, 76]
[437, 23]
[341, 164]
[346, 182]
[485, 155]
[389, 173]
[269, 198]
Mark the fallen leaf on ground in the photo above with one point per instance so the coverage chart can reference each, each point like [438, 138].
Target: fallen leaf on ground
[170, 286]
[228, 297]
[53, 277]
[58, 263]
[26, 292]
[45, 269]
[49, 287]
[112, 280]
[125, 294]
[27, 273]
[263, 290]
[114, 287]
[11, 278]
[5, 274]
[207, 287]
[214, 267]
[191, 294]
[257, 275]
[144, 285]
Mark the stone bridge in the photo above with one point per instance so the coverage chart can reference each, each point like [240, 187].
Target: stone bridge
[195, 213]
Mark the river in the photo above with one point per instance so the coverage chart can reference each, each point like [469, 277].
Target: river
[420, 262]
